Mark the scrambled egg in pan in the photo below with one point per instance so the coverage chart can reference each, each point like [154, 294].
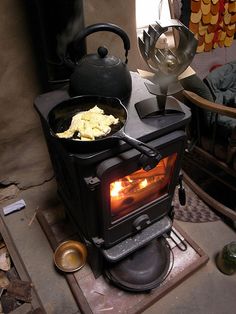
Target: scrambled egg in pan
[89, 125]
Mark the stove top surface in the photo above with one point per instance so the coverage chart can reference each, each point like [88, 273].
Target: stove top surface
[145, 130]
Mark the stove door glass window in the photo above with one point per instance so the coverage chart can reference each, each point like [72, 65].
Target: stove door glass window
[141, 188]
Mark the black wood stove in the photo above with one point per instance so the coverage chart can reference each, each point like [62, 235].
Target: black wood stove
[120, 210]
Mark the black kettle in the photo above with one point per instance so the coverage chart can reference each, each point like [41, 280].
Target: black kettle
[100, 74]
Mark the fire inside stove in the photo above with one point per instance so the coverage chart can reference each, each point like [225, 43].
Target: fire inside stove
[141, 188]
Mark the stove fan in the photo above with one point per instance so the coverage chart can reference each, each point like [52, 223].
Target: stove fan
[166, 63]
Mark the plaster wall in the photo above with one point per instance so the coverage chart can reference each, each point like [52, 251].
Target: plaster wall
[21, 147]
[18, 78]
[121, 13]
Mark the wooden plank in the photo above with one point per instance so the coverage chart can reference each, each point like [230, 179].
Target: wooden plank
[23, 309]
[209, 105]
[18, 263]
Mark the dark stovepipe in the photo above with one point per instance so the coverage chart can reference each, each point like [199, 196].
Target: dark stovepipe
[53, 25]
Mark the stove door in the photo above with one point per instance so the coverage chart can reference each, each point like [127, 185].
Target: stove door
[131, 198]
[141, 188]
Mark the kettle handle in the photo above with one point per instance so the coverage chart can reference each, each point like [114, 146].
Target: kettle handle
[103, 27]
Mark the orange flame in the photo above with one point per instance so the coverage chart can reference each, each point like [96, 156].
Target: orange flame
[116, 188]
[143, 184]
[139, 180]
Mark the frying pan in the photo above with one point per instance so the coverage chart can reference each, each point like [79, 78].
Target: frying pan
[59, 120]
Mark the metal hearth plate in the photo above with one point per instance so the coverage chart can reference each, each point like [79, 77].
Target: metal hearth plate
[144, 269]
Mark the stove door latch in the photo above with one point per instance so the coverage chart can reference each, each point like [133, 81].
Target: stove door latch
[141, 222]
[150, 162]
[92, 182]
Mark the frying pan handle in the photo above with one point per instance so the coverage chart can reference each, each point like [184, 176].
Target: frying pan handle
[150, 157]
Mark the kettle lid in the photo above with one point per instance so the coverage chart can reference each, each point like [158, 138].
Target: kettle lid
[101, 58]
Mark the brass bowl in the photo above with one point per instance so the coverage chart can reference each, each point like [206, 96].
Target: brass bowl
[70, 256]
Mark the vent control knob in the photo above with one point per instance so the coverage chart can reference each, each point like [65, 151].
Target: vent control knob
[141, 222]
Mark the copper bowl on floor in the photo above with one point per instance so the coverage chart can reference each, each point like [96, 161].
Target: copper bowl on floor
[70, 256]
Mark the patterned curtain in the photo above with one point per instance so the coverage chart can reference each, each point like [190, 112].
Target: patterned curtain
[212, 21]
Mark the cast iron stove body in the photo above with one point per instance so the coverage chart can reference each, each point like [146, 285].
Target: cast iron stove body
[116, 205]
